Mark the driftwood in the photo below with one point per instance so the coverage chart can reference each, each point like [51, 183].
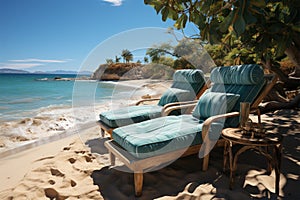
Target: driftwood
[279, 105]
[285, 94]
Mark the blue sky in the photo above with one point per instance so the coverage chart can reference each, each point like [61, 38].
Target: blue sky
[49, 35]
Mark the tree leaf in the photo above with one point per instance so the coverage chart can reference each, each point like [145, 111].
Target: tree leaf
[173, 14]
[227, 21]
[239, 25]
[258, 3]
[197, 19]
[157, 5]
[296, 27]
[181, 21]
[281, 46]
[165, 13]
[213, 37]
[206, 6]
[249, 18]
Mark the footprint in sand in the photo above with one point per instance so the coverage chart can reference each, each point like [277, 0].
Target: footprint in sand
[66, 148]
[53, 194]
[56, 172]
[73, 183]
[51, 182]
[80, 152]
[88, 159]
[72, 160]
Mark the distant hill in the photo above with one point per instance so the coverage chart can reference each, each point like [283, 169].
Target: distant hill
[64, 72]
[18, 71]
[12, 71]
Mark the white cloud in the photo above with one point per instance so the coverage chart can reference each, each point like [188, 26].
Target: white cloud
[30, 62]
[38, 60]
[19, 65]
[115, 2]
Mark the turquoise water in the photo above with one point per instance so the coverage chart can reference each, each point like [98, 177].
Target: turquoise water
[22, 95]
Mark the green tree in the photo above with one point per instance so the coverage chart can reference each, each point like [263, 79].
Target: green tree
[109, 61]
[187, 54]
[267, 29]
[146, 59]
[158, 51]
[127, 55]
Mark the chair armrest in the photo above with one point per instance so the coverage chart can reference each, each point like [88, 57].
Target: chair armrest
[144, 100]
[210, 120]
[167, 111]
[179, 103]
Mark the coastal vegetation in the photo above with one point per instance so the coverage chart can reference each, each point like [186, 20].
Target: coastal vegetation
[159, 62]
[246, 31]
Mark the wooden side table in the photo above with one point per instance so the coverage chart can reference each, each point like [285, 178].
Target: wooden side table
[268, 144]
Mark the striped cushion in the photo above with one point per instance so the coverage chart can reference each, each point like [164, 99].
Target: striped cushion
[158, 136]
[187, 79]
[176, 95]
[187, 75]
[163, 135]
[245, 80]
[241, 75]
[130, 115]
[214, 103]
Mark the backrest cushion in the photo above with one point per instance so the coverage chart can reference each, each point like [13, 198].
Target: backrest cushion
[174, 95]
[186, 85]
[214, 103]
[244, 80]
[250, 74]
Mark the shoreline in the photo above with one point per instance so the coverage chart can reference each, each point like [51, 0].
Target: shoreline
[48, 123]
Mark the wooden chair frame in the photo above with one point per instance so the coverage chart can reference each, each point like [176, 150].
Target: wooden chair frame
[139, 166]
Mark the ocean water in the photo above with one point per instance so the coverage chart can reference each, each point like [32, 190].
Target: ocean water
[25, 95]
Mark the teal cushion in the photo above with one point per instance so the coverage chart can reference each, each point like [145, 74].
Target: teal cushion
[188, 75]
[214, 103]
[158, 136]
[175, 95]
[188, 79]
[129, 115]
[241, 74]
[186, 85]
[163, 135]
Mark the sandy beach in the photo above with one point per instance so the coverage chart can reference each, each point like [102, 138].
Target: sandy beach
[77, 166]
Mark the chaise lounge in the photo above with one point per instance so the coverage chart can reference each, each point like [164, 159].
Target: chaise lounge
[147, 145]
[187, 86]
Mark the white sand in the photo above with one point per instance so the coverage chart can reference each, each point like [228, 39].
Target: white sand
[78, 167]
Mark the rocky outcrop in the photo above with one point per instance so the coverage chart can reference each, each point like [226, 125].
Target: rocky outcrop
[117, 71]
[132, 71]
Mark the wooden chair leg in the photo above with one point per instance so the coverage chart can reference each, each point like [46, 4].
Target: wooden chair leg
[205, 162]
[102, 132]
[138, 183]
[277, 164]
[112, 159]
[225, 156]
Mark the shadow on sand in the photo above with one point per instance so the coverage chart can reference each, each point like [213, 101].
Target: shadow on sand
[184, 178]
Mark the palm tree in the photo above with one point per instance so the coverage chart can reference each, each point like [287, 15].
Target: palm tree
[146, 59]
[127, 55]
[117, 59]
